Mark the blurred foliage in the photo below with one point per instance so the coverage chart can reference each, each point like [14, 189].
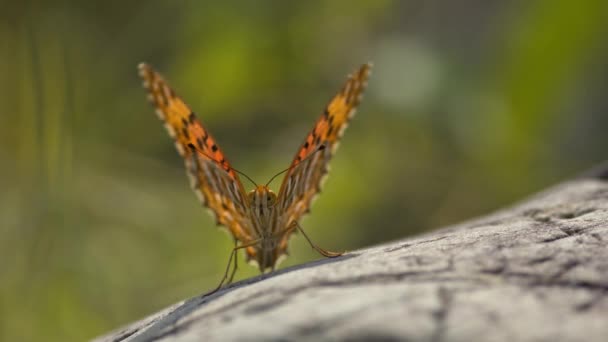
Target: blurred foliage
[472, 105]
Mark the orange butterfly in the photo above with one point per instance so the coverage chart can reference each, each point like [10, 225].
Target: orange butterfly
[260, 221]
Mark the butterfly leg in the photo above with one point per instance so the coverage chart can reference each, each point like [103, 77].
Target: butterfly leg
[325, 253]
[233, 254]
[236, 258]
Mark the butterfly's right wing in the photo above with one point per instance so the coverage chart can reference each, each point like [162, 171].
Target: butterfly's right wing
[308, 168]
[311, 163]
[211, 176]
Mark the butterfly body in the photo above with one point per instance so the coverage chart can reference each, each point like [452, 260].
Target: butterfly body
[267, 225]
[260, 221]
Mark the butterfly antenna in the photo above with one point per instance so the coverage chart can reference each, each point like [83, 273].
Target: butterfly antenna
[320, 148]
[244, 175]
[197, 150]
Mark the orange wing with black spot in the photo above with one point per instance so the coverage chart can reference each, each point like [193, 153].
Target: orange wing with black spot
[303, 180]
[211, 176]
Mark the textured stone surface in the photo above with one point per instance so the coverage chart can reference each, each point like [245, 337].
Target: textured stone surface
[537, 271]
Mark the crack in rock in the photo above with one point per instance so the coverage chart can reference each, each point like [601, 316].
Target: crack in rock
[440, 316]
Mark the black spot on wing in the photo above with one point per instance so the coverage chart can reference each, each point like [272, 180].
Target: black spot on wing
[317, 141]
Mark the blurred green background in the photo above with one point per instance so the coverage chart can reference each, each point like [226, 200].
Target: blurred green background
[471, 106]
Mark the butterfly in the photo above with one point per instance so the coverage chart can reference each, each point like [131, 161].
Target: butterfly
[260, 221]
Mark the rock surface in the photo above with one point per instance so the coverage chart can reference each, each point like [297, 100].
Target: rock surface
[537, 271]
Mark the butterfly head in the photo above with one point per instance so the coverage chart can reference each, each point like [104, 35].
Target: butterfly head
[262, 198]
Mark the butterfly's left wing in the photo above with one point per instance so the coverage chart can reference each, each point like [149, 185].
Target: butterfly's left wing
[303, 180]
[211, 176]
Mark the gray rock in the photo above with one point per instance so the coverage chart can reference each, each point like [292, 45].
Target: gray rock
[537, 271]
